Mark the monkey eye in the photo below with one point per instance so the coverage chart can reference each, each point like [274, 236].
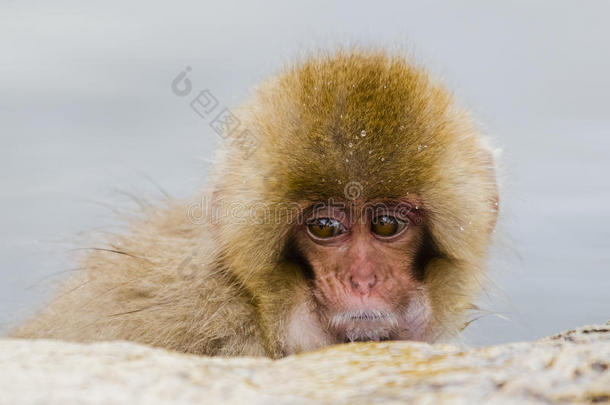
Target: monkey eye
[386, 225]
[325, 228]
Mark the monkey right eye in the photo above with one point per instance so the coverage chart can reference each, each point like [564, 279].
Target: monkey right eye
[325, 228]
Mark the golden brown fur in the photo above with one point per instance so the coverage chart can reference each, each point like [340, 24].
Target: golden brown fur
[225, 286]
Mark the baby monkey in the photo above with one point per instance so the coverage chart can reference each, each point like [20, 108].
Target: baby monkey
[363, 213]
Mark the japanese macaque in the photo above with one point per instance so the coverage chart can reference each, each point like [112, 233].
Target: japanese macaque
[362, 211]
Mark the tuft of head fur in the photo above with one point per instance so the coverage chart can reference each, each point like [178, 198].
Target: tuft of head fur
[350, 117]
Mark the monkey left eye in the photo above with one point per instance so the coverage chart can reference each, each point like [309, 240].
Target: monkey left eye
[386, 225]
[325, 228]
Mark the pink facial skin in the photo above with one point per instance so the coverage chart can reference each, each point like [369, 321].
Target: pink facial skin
[365, 283]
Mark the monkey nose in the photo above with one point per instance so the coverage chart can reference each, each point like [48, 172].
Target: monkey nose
[362, 284]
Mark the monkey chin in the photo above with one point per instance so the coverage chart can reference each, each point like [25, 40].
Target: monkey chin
[366, 324]
[308, 328]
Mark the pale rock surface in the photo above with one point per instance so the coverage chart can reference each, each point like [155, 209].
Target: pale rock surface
[572, 367]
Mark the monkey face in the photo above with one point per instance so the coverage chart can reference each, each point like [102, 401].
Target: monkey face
[363, 260]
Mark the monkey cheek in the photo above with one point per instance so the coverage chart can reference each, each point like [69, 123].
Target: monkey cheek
[304, 331]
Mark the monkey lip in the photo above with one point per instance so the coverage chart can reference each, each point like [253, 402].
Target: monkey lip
[363, 325]
[365, 338]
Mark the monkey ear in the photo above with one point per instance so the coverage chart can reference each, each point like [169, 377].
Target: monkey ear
[493, 156]
[495, 208]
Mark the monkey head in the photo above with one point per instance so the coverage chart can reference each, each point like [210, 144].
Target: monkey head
[365, 210]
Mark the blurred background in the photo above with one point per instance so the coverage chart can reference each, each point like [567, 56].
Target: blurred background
[88, 118]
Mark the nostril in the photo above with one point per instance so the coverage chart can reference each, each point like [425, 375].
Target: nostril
[354, 283]
[363, 285]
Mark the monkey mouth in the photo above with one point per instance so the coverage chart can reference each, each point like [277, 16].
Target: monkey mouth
[365, 339]
[362, 315]
[363, 325]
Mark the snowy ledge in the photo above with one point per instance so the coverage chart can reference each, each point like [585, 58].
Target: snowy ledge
[570, 367]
